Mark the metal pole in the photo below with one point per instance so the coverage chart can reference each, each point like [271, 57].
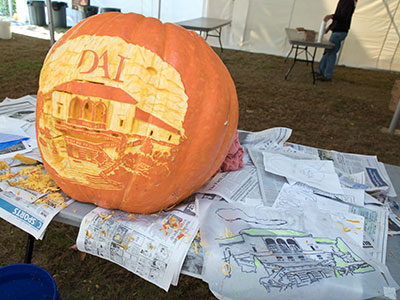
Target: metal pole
[159, 9]
[51, 22]
[10, 8]
[29, 249]
[395, 118]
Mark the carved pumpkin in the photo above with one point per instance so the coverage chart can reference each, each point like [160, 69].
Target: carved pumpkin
[133, 114]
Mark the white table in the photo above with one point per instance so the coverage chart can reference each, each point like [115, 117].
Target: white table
[206, 25]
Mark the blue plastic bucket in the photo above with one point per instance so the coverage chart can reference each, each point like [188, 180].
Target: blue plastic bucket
[27, 281]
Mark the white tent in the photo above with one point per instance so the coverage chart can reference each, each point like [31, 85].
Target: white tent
[258, 25]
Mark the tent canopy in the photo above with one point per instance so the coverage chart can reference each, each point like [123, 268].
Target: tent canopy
[259, 25]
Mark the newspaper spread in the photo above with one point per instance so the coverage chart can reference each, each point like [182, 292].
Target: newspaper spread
[30, 209]
[354, 170]
[34, 217]
[238, 186]
[21, 112]
[270, 184]
[152, 246]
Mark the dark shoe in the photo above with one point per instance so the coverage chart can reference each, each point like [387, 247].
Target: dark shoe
[318, 75]
[323, 78]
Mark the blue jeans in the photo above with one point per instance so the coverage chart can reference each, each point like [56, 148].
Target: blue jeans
[328, 61]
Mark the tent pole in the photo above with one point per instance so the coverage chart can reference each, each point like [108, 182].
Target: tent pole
[159, 9]
[391, 18]
[51, 21]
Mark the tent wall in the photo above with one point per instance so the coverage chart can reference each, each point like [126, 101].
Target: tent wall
[258, 26]
[170, 10]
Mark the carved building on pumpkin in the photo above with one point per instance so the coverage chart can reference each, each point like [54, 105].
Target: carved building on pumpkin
[99, 124]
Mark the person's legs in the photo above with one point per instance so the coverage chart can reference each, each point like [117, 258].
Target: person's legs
[322, 64]
[329, 58]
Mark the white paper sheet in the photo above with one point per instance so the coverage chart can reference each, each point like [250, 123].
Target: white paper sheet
[295, 198]
[265, 253]
[319, 174]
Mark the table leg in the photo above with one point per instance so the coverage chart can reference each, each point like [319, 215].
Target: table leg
[219, 38]
[29, 249]
[306, 50]
[312, 64]
[290, 52]
[294, 61]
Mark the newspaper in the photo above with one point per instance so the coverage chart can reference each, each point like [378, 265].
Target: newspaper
[354, 170]
[20, 114]
[270, 184]
[151, 246]
[269, 139]
[34, 217]
[23, 108]
[238, 186]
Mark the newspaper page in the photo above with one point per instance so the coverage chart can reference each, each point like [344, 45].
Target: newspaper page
[354, 170]
[34, 217]
[23, 108]
[374, 171]
[261, 253]
[22, 112]
[237, 186]
[151, 246]
[29, 197]
[268, 139]
[270, 184]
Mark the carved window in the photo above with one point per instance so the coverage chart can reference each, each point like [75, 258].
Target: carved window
[75, 108]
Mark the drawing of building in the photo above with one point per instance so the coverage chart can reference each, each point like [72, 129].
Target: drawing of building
[290, 259]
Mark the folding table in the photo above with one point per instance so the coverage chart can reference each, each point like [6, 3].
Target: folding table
[296, 39]
[206, 25]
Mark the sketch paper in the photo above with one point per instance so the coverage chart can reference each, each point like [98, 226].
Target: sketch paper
[295, 198]
[319, 174]
[265, 253]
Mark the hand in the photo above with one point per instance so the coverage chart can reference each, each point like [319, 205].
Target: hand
[328, 17]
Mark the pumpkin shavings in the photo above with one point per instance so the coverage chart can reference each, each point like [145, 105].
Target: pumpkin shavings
[53, 199]
[4, 165]
[25, 160]
[33, 178]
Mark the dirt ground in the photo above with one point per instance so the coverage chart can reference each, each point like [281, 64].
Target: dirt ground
[346, 115]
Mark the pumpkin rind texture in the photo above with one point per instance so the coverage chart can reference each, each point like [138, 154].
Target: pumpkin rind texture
[133, 114]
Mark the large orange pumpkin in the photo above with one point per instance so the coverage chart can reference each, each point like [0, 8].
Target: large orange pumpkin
[133, 114]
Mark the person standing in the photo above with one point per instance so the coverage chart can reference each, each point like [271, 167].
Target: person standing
[340, 26]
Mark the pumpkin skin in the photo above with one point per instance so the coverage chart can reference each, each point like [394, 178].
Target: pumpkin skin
[133, 114]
